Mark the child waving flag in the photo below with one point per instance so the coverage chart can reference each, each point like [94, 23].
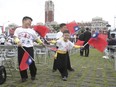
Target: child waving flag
[64, 45]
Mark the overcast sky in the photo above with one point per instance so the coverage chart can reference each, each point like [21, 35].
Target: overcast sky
[65, 10]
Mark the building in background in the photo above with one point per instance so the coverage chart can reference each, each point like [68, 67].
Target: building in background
[84, 25]
[49, 11]
[99, 24]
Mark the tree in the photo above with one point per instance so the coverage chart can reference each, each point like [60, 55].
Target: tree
[55, 27]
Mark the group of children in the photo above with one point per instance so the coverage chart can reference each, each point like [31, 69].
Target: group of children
[24, 37]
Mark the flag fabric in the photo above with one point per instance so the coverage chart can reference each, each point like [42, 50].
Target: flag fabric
[104, 36]
[41, 30]
[79, 42]
[26, 61]
[72, 27]
[98, 41]
[54, 49]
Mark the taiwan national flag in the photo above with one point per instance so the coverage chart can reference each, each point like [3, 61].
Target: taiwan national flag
[72, 27]
[79, 42]
[41, 30]
[98, 41]
[26, 61]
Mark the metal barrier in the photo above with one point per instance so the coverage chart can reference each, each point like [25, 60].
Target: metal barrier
[5, 60]
[114, 54]
[40, 53]
[9, 54]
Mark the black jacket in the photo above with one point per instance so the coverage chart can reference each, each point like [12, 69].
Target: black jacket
[87, 36]
[81, 37]
[112, 42]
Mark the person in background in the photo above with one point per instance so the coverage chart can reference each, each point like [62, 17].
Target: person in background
[2, 40]
[87, 36]
[81, 37]
[10, 37]
[111, 42]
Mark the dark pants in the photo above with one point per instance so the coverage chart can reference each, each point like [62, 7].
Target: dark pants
[54, 64]
[81, 51]
[61, 64]
[32, 66]
[68, 63]
[86, 50]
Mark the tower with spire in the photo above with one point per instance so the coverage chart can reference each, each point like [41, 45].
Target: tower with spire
[49, 11]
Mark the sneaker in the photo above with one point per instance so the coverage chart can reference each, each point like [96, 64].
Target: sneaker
[24, 79]
[105, 57]
[86, 56]
[71, 69]
[54, 70]
[81, 55]
[33, 78]
[64, 78]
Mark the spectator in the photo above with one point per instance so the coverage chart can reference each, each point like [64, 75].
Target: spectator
[87, 36]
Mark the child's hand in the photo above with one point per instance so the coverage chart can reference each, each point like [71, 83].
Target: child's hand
[43, 44]
[52, 41]
[81, 46]
[19, 44]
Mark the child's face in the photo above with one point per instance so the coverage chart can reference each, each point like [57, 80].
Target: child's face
[66, 36]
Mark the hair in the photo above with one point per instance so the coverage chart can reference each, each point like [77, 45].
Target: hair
[26, 17]
[65, 31]
[112, 35]
[62, 24]
[87, 28]
[82, 31]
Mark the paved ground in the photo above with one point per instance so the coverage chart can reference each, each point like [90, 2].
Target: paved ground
[92, 71]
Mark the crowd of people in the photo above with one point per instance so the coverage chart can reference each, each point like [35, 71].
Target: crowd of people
[6, 40]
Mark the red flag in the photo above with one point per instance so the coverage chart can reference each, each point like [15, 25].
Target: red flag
[72, 27]
[98, 42]
[26, 61]
[41, 30]
[104, 36]
[79, 42]
[53, 49]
